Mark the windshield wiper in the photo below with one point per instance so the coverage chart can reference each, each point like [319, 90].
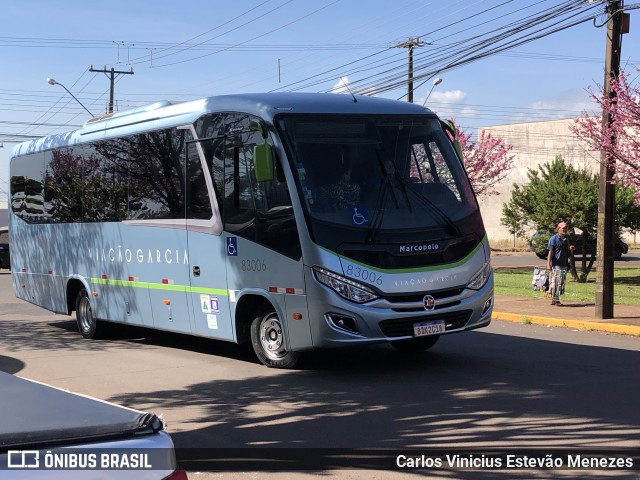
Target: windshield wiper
[388, 171]
[431, 207]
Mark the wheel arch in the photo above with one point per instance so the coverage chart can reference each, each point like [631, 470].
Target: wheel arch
[74, 285]
[246, 307]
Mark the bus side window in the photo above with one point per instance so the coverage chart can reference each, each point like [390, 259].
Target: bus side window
[156, 175]
[27, 187]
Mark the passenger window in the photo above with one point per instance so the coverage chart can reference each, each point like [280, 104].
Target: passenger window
[156, 174]
[27, 192]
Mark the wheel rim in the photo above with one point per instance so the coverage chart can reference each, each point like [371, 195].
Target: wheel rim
[271, 337]
[84, 314]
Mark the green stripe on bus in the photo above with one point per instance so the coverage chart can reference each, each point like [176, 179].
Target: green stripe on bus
[158, 286]
[417, 269]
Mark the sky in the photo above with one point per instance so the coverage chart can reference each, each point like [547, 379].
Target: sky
[183, 51]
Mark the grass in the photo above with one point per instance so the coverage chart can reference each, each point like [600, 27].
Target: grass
[517, 281]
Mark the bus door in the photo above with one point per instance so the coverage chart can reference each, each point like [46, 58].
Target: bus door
[262, 246]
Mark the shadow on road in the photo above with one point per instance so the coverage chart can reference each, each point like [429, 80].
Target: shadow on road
[465, 393]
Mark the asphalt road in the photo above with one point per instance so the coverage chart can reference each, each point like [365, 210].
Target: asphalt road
[509, 386]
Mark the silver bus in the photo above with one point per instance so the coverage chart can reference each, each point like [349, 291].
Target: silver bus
[291, 221]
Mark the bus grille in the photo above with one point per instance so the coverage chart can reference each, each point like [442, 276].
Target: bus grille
[417, 297]
[404, 327]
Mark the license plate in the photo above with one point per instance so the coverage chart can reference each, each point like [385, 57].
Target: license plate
[428, 328]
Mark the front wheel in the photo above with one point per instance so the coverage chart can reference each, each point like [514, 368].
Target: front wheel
[88, 325]
[267, 338]
[414, 345]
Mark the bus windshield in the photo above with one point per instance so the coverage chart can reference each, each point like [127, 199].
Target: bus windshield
[378, 173]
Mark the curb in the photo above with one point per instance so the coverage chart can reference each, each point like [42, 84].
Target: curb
[576, 324]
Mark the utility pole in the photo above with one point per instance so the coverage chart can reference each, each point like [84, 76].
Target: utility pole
[410, 45]
[111, 73]
[607, 187]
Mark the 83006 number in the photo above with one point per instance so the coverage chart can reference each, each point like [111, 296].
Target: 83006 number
[364, 274]
[254, 266]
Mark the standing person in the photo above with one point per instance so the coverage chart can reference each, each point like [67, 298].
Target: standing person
[558, 262]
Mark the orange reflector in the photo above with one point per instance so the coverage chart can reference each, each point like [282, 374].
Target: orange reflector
[95, 294]
[167, 302]
[296, 316]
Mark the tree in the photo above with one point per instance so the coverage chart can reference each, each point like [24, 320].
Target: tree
[558, 192]
[621, 139]
[514, 221]
[487, 160]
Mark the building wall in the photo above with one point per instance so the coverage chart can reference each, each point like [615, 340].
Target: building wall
[534, 144]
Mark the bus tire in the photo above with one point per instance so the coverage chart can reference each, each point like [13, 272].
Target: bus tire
[87, 324]
[267, 338]
[414, 345]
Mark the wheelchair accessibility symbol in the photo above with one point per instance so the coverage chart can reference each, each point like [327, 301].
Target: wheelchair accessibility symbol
[359, 215]
[232, 246]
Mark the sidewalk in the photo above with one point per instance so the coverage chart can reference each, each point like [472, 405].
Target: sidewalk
[573, 314]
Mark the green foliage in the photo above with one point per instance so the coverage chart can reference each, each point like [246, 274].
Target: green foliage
[627, 210]
[559, 192]
[513, 220]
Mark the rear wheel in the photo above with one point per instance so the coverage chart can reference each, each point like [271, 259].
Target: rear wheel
[88, 325]
[267, 338]
[414, 345]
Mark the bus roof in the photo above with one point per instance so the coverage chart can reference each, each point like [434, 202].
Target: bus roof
[165, 114]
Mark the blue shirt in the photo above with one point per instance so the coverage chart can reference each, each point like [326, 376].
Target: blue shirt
[559, 251]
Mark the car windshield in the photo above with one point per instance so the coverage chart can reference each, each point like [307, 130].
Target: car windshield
[378, 173]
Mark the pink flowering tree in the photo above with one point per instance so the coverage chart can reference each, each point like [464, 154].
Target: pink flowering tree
[621, 139]
[488, 160]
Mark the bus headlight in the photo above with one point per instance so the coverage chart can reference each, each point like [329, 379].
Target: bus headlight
[480, 278]
[344, 287]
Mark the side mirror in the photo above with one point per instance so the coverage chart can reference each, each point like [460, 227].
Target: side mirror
[263, 162]
[450, 128]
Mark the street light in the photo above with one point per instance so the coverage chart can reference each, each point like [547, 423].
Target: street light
[51, 81]
[437, 81]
